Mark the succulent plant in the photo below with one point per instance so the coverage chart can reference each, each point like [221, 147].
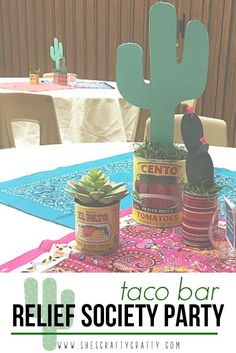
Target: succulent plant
[199, 165]
[96, 189]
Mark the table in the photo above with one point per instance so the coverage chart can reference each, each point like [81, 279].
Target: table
[27, 231]
[84, 115]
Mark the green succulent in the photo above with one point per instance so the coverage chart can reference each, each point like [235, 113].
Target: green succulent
[96, 189]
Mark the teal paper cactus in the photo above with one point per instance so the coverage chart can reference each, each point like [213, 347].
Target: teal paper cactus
[49, 294]
[56, 53]
[170, 82]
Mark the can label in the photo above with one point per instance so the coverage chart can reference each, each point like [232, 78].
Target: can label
[71, 79]
[198, 211]
[56, 77]
[34, 79]
[97, 229]
[157, 197]
[62, 79]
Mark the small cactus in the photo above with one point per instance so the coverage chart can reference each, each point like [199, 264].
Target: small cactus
[95, 189]
[62, 65]
[56, 53]
[49, 297]
[170, 82]
[199, 165]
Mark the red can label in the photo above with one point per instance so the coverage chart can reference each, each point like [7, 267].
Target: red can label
[157, 198]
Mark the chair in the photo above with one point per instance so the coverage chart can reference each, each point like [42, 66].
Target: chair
[215, 130]
[190, 103]
[139, 127]
[28, 107]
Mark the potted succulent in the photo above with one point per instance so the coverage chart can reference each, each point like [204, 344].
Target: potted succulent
[97, 218]
[170, 83]
[200, 194]
[34, 76]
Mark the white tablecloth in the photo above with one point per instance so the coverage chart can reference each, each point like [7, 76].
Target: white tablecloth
[27, 232]
[84, 115]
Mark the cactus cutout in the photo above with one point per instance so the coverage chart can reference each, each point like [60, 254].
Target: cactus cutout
[56, 52]
[49, 297]
[199, 165]
[170, 82]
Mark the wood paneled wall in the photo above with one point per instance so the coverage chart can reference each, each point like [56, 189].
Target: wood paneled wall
[91, 30]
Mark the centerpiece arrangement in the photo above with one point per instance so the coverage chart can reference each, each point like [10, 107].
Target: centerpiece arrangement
[60, 69]
[158, 165]
[97, 215]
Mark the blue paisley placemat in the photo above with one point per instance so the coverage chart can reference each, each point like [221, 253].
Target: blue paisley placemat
[42, 194]
[93, 84]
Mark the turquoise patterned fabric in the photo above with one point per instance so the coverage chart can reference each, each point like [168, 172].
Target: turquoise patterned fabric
[42, 194]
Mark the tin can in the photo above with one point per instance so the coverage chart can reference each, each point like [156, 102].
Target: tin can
[71, 79]
[62, 79]
[56, 77]
[97, 229]
[157, 196]
[198, 211]
[34, 79]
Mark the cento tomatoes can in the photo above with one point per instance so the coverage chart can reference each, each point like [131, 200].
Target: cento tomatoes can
[157, 192]
[97, 229]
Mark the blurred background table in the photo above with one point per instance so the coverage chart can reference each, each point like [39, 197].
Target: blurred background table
[84, 114]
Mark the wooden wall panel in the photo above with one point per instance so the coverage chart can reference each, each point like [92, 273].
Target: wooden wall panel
[113, 9]
[31, 37]
[126, 21]
[7, 39]
[90, 38]
[197, 11]
[49, 30]
[41, 49]
[215, 22]
[69, 34]
[223, 58]
[14, 25]
[91, 30]
[80, 39]
[59, 18]
[101, 39]
[146, 47]
[229, 106]
[23, 42]
[2, 56]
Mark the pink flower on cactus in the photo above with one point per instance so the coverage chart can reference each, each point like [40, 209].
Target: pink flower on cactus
[190, 110]
[203, 140]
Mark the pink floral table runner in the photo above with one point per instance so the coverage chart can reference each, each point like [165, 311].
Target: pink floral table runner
[27, 87]
[46, 85]
[142, 249]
